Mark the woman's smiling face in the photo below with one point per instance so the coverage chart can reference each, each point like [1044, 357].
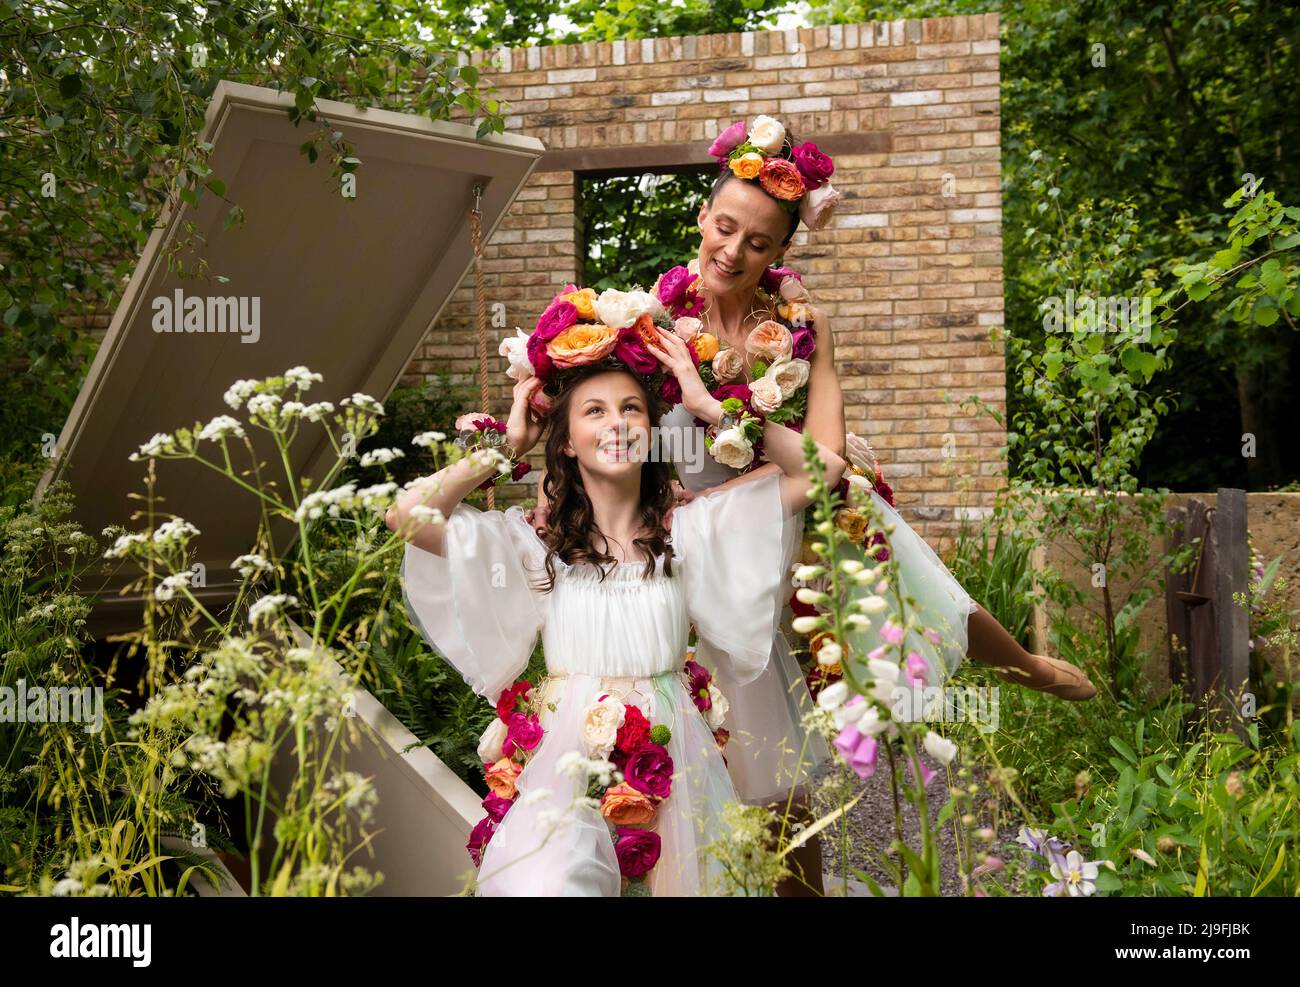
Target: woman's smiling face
[609, 424]
[741, 236]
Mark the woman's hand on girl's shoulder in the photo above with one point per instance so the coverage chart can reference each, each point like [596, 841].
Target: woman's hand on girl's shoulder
[537, 517]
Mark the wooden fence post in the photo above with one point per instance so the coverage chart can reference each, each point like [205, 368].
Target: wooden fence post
[1231, 575]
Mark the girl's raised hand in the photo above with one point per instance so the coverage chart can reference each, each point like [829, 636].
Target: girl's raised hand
[524, 427]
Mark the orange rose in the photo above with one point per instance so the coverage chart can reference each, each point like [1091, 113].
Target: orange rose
[623, 805]
[706, 346]
[645, 328]
[747, 165]
[582, 344]
[852, 522]
[584, 301]
[501, 777]
[771, 341]
[720, 737]
[781, 178]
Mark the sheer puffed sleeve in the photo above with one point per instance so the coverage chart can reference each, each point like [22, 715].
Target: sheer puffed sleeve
[475, 605]
[737, 546]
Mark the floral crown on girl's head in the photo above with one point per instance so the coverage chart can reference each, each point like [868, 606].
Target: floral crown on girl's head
[581, 329]
[796, 175]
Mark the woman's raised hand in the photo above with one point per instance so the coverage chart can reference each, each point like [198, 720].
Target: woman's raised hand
[676, 358]
[524, 428]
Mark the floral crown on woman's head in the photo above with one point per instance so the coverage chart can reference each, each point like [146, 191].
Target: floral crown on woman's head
[796, 175]
[581, 329]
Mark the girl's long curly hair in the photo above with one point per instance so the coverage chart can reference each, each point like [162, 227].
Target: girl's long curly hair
[571, 524]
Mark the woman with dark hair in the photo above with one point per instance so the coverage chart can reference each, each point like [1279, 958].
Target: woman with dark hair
[759, 338]
[608, 776]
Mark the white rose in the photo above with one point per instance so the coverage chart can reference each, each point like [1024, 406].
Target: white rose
[940, 748]
[515, 349]
[790, 375]
[619, 309]
[818, 206]
[766, 134]
[765, 395]
[489, 745]
[732, 449]
[600, 723]
[716, 713]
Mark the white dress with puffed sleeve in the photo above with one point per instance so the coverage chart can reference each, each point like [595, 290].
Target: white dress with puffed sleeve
[615, 631]
[770, 752]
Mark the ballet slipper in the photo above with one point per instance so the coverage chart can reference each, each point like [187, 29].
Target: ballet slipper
[1053, 676]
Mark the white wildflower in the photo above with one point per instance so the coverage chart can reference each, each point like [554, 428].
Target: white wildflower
[159, 445]
[315, 412]
[177, 529]
[166, 589]
[239, 392]
[249, 564]
[301, 377]
[427, 439]
[220, 427]
[381, 456]
[268, 605]
[364, 402]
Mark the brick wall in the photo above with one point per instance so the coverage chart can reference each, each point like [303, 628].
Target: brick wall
[909, 272]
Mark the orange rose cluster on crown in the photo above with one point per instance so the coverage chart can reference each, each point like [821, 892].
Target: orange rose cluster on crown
[580, 328]
[796, 175]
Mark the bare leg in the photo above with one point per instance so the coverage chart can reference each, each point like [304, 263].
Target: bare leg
[989, 643]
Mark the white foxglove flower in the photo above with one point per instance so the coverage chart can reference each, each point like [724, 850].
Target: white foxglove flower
[940, 748]
[833, 695]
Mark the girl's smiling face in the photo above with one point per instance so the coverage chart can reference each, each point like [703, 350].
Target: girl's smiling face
[741, 234]
[609, 424]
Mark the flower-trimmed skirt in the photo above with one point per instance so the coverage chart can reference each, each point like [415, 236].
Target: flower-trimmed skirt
[550, 844]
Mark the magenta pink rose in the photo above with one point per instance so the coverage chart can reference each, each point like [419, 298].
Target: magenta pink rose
[543, 366]
[650, 770]
[632, 351]
[496, 806]
[805, 341]
[673, 283]
[740, 391]
[729, 140]
[637, 850]
[523, 732]
[479, 838]
[771, 278]
[813, 165]
[670, 391]
[559, 315]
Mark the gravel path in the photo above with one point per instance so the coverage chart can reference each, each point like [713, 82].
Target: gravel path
[870, 825]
